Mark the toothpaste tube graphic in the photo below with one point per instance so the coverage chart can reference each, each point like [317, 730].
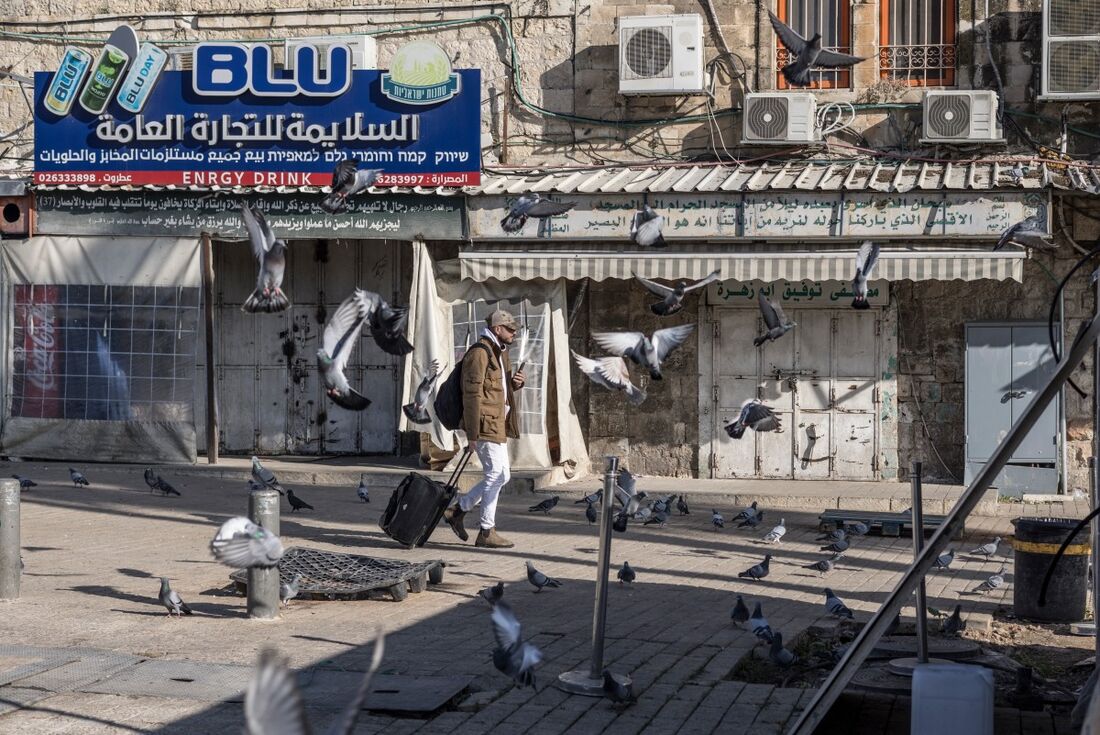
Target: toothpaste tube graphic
[65, 85]
[143, 76]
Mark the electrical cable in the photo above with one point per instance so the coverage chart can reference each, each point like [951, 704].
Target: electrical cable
[1054, 304]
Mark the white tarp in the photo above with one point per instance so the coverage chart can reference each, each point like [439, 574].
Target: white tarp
[446, 314]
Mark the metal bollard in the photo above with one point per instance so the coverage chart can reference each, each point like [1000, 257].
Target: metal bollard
[918, 544]
[590, 682]
[10, 571]
[263, 584]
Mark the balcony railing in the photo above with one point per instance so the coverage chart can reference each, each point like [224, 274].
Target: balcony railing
[923, 65]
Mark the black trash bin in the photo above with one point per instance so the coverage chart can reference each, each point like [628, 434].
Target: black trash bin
[1035, 545]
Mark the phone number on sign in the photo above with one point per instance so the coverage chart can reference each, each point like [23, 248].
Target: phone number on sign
[65, 177]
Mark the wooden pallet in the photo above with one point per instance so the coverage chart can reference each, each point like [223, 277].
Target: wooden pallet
[881, 522]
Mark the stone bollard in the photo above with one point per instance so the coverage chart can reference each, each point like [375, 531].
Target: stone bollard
[10, 571]
[263, 584]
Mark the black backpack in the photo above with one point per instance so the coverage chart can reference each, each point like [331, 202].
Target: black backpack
[448, 399]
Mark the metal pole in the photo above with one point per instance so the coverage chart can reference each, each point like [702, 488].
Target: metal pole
[263, 584]
[211, 361]
[918, 544]
[858, 651]
[1094, 498]
[9, 540]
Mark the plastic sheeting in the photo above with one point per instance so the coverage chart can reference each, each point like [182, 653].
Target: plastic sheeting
[100, 337]
[446, 316]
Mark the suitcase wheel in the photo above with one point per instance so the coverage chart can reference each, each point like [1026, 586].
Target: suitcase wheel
[435, 574]
[399, 591]
[419, 584]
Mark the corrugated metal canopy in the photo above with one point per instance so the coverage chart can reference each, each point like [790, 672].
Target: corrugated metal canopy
[743, 263]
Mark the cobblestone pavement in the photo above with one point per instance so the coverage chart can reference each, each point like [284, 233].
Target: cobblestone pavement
[88, 615]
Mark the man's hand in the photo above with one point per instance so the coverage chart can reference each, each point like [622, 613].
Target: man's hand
[518, 380]
[472, 445]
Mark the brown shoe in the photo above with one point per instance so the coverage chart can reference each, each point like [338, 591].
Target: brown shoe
[490, 539]
[453, 516]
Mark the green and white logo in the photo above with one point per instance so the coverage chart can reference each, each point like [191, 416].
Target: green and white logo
[420, 74]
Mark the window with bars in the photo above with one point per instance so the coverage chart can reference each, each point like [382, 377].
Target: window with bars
[918, 41]
[833, 20]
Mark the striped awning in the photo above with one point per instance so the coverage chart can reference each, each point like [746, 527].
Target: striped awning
[747, 263]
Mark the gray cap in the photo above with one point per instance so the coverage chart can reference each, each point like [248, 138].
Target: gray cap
[501, 318]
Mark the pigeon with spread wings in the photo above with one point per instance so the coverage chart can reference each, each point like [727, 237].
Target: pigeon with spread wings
[647, 352]
[347, 181]
[270, 252]
[673, 296]
[809, 53]
[337, 342]
[610, 372]
[387, 324]
[1028, 233]
[775, 320]
[417, 410]
[531, 205]
[646, 226]
[865, 263]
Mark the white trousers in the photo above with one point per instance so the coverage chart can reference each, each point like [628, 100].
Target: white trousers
[494, 461]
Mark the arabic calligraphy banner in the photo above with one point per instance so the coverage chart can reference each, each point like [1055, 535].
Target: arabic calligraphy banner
[832, 294]
[181, 213]
[182, 138]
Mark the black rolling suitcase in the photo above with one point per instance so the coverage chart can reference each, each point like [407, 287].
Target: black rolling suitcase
[417, 505]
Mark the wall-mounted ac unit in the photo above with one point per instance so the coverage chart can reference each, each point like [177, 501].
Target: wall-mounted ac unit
[964, 116]
[780, 117]
[364, 53]
[661, 54]
[1071, 49]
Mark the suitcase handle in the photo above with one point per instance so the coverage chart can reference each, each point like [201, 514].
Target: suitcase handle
[460, 467]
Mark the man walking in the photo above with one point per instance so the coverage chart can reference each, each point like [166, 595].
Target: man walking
[490, 415]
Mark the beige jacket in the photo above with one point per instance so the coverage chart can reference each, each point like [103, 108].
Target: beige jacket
[483, 395]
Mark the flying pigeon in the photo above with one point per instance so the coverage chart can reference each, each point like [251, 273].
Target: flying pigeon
[989, 549]
[24, 482]
[347, 181]
[540, 580]
[512, 656]
[273, 703]
[171, 599]
[634, 504]
[289, 590]
[776, 535]
[758, 571]
[994, 581]
[646, 226]
[865, 263]
[740, 613]
[531, 205]
[809, 53]
[241, 544]
[417, 411]
[779, 655]
[836, 606]
[619, 692]
[756, 416]
[717, 520]
[682, 506]
[612, 373]
[363, 492]
[493, 594]
[673, 296]
[839, 546]
[627, 574]
[752, 521]
[746, 512]
[648, 352]
[156, 482]
[643, 513]
[825, 565]
[545, 506]
[590, 512]
[387, 324]
[1028, 233]
[775, 320]
[954, 623]
[590, 499]
[619, 522]
[758, 624]
[625, 486]
[943, 561]
[296, 503]
[339, 338]
[270, 252]
[78, 478]
[264, 477]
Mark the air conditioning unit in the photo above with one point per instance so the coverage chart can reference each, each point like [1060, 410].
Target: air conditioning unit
[661, 54]
[779, 117]
[1071, 49]
[965, 116]
[364, 54]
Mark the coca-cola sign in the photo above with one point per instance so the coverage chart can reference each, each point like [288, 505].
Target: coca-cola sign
[41, 351]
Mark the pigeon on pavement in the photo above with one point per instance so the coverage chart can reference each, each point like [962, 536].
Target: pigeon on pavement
[270, 253]
[241, 544]
[825, 565]
[758, 571]
[296, 503]
[648, 352]
[337, 343]
[740, 613]
[659, 517]
[493, 594]
[717, 520]
[626, 574]
[347, 181]
[775, 320]
[865, 263]
[417, 410]
[592, 498]
[954, 623]
[756, 416]
[673, 296]
[156, 482]
[24, 482]
[776, 535]
[545, 506]
[646, 226]
[836, 606]
[943, 561]
[273, 703]
[1028, 233]
[758, 624]
[265, 477]
[857, 528]
[835, 535]
[682, 505]
[171, 599]
[619, 692]
[779, 655]
[746, 512]
[512, 656]
[590, 512]
[78, 478]
[611, 373]
[540, 580]
[363, 492]
[839, 546]
[994, 581]
[809, 53]
[987, 550]
[663, 505]
[531, 205]
[752, 521]
[289, 590]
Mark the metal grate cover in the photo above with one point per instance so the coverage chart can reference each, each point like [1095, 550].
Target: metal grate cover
[949, 116]
[330, 575]
[648, 53]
